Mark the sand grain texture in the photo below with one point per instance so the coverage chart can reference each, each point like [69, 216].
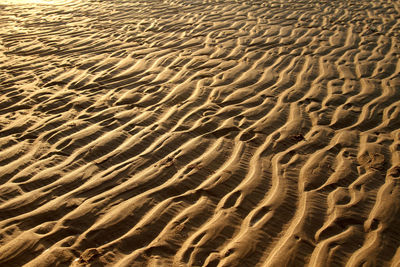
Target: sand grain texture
[200, 133]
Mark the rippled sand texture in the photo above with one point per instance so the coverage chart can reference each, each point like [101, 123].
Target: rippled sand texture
[200, 133]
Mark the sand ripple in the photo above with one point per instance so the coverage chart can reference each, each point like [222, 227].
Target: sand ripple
[200, 133]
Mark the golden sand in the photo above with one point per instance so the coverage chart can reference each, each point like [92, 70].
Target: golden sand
[199, 133]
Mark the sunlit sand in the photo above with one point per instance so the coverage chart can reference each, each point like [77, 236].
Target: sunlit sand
[199, 133]
[42, 2]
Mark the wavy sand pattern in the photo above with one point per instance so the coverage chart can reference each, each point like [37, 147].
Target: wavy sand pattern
[200, 133]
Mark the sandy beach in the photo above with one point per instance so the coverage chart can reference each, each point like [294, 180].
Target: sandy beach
[199, 133]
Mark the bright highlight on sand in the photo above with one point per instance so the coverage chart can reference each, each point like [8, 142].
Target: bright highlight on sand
[24, 2]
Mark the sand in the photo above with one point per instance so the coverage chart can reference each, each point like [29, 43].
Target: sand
[199, 133]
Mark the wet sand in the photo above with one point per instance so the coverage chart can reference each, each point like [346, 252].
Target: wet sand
[200, 133]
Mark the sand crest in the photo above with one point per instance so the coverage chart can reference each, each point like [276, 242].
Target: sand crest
[199, 133]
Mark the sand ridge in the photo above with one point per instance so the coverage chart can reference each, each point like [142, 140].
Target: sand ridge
[200, 133]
